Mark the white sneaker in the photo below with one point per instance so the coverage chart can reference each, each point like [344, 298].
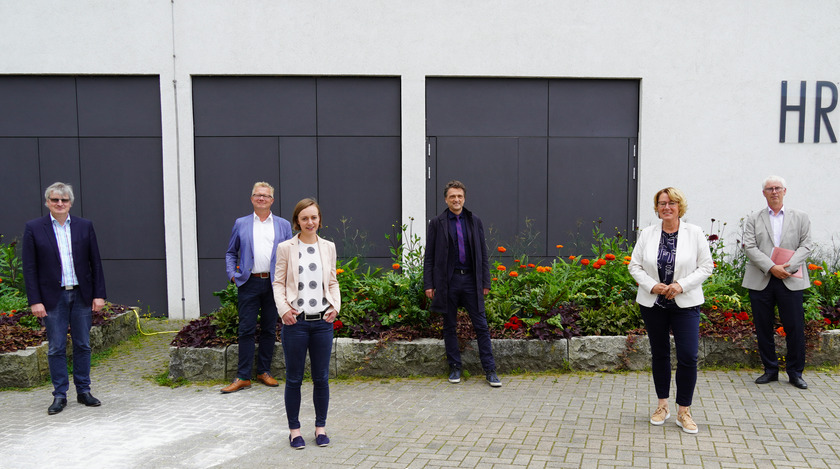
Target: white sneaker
[660, 415]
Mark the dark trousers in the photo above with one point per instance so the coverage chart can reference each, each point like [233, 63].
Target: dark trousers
[256, 298]
[316, 338]
[70, 311]
[792, 315]
[462, 293]
[684, 323]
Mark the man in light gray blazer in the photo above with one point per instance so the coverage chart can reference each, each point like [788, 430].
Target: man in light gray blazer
[778, 283]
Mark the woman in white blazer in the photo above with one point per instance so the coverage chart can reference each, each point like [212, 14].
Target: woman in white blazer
[308, 300]
[670, 261]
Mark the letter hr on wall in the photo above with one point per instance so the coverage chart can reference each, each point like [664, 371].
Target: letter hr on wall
[820, 112]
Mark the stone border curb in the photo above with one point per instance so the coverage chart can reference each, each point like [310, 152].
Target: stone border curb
[26, 368]
[425, 357]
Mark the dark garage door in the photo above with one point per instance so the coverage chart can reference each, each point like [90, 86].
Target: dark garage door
[335, 139]
[102, 135]
[543, 157]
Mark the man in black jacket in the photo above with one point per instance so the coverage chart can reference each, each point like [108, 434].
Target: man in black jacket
[456, 274]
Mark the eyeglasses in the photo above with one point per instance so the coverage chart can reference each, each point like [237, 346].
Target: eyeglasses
[262, 196]
[55, 201]
[774, 189]
[671, 204]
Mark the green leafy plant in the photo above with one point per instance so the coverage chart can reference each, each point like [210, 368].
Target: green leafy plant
[12, 300]
[226, 321]
[30, 321]
[228, 296]
[11, 269]
[613, 319]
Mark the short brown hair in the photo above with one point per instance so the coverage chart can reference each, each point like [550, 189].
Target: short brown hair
[454, 184]
[304, 204]
[675, 195]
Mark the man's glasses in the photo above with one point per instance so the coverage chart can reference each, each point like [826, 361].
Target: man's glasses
[262, 196]
[55, 201]
[773, 189]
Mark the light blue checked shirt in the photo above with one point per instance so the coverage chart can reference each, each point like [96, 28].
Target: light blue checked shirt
[65, 250]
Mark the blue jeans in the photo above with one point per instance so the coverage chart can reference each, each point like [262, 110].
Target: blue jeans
[462, 292]
[684, 323]
[70, 311]
[315, 337]
[256, 298]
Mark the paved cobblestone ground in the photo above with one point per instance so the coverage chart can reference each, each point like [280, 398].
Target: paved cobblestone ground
[564, 420]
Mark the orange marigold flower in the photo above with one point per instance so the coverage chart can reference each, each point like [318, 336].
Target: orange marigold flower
[600, 262]
[531, 265]
[559, 246]
[516, 260]
[781, 331]
[548, 269]
[610, 257]
[339, 271]
[395, 266]
[495, 278]
[571, 258]
[813, 267]
[714, 307]
[584, 261]
[522, 266]
[627, 258]
[817, 283]
[501, 249]
[596, 266]
[501, 267]
[13, 311]
[625, 262]
[514, 274]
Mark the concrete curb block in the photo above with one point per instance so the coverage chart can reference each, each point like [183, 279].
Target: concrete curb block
[425, 357]
[29, 367]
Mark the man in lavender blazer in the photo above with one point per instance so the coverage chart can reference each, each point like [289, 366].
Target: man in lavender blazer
[249, 261]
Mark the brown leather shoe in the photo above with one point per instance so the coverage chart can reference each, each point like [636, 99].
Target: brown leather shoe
[237, 385]
[267, 380]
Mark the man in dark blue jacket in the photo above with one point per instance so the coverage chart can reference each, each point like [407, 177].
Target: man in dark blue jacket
[456, 274]
[64, 284]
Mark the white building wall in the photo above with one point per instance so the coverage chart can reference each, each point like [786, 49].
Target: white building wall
[710, 75]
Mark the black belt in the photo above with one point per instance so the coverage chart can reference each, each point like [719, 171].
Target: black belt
[314, 316]
[261, 275]
[70, 287]
[463, 271]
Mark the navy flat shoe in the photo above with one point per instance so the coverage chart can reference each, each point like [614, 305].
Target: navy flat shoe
[297, 442]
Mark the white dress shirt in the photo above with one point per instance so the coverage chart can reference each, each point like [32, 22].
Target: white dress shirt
[263, 244]
[776, 222]
[64, 239]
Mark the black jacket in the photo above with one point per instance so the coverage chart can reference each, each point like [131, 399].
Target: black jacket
[439, 263]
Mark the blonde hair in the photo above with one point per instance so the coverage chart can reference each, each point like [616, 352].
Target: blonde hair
[262, 184]
[675, 195]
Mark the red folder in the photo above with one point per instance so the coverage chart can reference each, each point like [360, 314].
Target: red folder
[781, 256]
